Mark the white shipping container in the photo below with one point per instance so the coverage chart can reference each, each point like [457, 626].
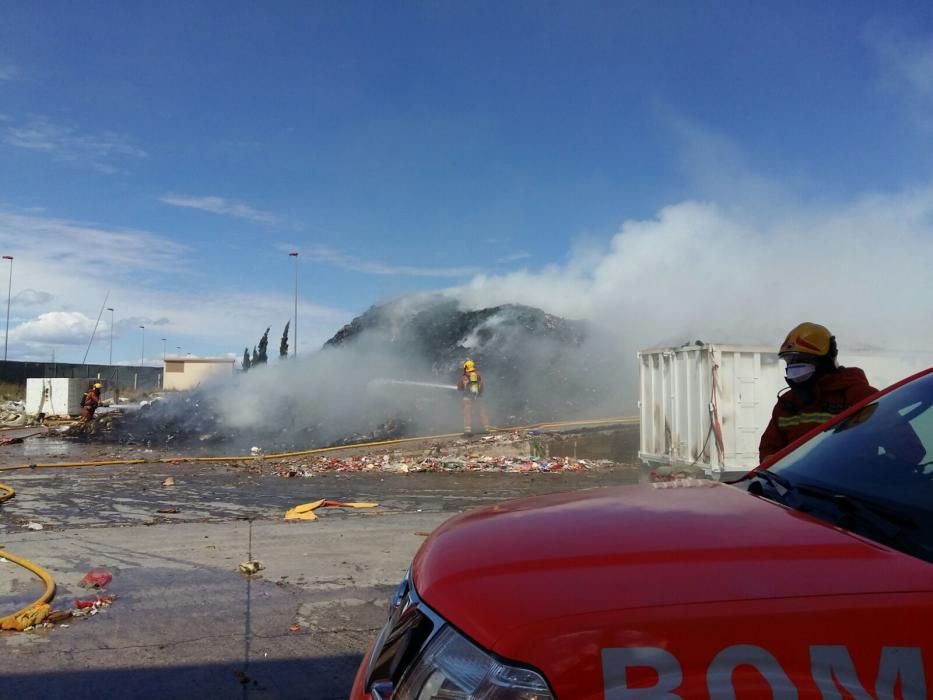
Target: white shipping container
[706, 406]
[55, 397]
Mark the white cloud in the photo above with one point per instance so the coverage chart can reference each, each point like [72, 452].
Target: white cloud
[69, 145]
[130, 324]
[220, 205]
[32, 297]
[906, 64]
[514, 257]
[9, 72]
[54, 328]
[148, 278]
[373, 267]
[80, 246]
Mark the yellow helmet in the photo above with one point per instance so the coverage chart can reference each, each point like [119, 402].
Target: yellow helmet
[808, 338]
[98, 386]
[469, 366]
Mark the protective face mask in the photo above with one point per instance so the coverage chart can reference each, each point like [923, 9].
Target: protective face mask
[799, 371]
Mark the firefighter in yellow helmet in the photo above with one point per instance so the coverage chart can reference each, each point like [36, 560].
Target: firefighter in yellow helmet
[818, 387]
[472, 387]
[91, 400]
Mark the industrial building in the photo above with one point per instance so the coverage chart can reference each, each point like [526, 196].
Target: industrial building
[183, 373]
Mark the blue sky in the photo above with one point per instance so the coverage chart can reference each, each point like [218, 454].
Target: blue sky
[172, 154]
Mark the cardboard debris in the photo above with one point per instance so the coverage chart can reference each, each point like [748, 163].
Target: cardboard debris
[306, 510]
[251, 567]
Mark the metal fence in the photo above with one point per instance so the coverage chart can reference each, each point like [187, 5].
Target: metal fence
[116, 376]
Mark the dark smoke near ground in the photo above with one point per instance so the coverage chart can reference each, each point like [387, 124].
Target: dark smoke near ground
[390, 373]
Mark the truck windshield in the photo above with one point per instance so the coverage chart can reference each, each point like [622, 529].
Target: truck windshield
[875, 467]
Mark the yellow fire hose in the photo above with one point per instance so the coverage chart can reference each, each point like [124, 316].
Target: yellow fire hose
[37, 611]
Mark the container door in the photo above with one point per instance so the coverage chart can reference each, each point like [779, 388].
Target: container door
[655, 391]
[750, 377]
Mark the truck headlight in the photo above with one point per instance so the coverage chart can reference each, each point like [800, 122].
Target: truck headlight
[452, 668]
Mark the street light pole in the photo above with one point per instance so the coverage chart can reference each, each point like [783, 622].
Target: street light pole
[142, 352]
[294, 254]
[163, 349]
[111, 335]
[9, 294]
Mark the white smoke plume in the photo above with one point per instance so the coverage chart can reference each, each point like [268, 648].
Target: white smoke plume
[331, 394]
[535, 368]
[697, 271]
[700, 270]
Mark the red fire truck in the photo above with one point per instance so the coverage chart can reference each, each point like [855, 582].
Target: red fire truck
[811, 577]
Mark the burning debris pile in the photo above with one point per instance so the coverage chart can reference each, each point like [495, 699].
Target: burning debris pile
[536, 366]
[387, 374]
[185, 418]
[194, 419]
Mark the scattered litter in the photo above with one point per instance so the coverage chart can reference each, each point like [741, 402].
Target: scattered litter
[459, 458]
[98, 601]
[57, 616]
[169, 481]
[295, 628]
[255, 450]
[96, 578]
[11, 441]
[87, 608]
[315, 465]
[34, 526]
[242, 677]
[422, 534]
[306, 510]
[167, 510]
[12, 416]
[251, 567]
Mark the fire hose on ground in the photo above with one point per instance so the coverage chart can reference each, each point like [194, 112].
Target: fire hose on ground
[38, 610]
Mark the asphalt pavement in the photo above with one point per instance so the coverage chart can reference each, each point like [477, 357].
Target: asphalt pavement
[185, 622]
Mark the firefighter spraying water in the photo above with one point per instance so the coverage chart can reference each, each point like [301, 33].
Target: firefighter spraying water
[471, 384]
